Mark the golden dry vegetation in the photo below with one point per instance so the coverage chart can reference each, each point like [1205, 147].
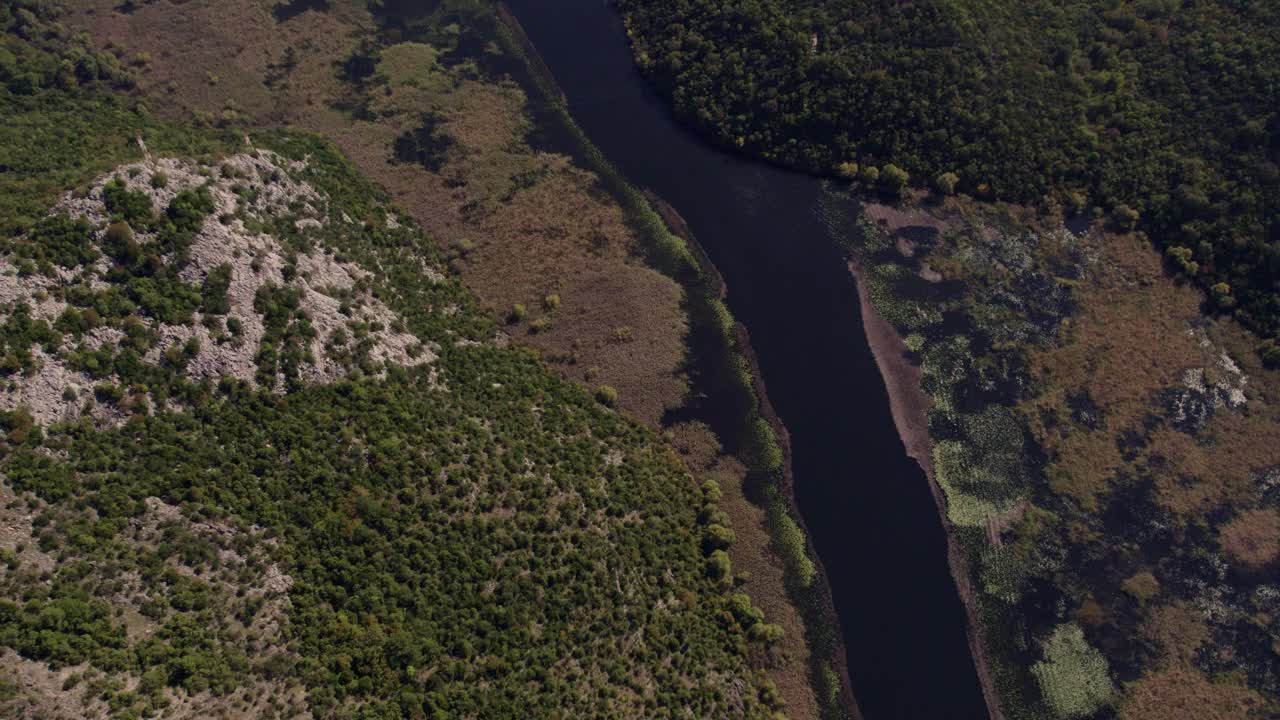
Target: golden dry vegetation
[1140, 356]
[1137, 336]
[1177, 630]
[1187, 694]
[1252, 539]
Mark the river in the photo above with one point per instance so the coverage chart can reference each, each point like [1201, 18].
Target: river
[867, 505]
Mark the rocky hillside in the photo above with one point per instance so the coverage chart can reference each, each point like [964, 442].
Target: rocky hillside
[167, 270]
[261, 459]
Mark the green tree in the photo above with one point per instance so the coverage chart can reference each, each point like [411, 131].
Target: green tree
[894, 179]
[946, 183]
[607, 396]
[1124, 218]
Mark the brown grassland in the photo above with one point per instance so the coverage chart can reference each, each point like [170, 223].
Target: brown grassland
[1135, 337]
[1138, 338]
[1252, 539]
[1189, 694]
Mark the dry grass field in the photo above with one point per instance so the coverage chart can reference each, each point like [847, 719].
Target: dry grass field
[1139, 337]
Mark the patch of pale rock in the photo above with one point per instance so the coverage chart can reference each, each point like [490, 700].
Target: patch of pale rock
[217, 243]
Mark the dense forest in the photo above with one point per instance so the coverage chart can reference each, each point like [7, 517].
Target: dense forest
[1158, 114]
[384, 511]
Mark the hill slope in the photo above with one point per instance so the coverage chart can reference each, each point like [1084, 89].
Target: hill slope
[261, 458]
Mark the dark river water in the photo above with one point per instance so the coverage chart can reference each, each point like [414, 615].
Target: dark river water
[769, 231]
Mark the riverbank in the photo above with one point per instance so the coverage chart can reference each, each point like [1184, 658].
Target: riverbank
[910, 405]
[1099, 440]
[737, 410]
[865, 504]
[821, 617]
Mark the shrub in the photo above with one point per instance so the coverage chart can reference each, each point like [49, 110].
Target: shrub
[62, 241]
[894, 179]
[1124, 218]
[551, 302]
[792, 544]
[128, 205]
[1181, 256]
[719, 566]
[711, 491]
[607, 396]
[108, 393]
[1222, 296]
[717, 537]
[1252, 539]
[743, 611]
[120, 243]
[767, 633]
[213, 295]
[1142, 586]
[765, 453]
[770, 695]
[946, 183]
[517, 314]
[1074, 676]
[1269, 350]
[188, 209]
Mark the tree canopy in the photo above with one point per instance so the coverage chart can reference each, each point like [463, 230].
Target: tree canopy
[1163, 111]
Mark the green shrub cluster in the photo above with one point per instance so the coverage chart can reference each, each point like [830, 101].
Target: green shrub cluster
[59, 240]
[386, 495]
[287, 336]
[19, 333]
[64, 628]
[793, 544]
[1073, 675]
[213, 295]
